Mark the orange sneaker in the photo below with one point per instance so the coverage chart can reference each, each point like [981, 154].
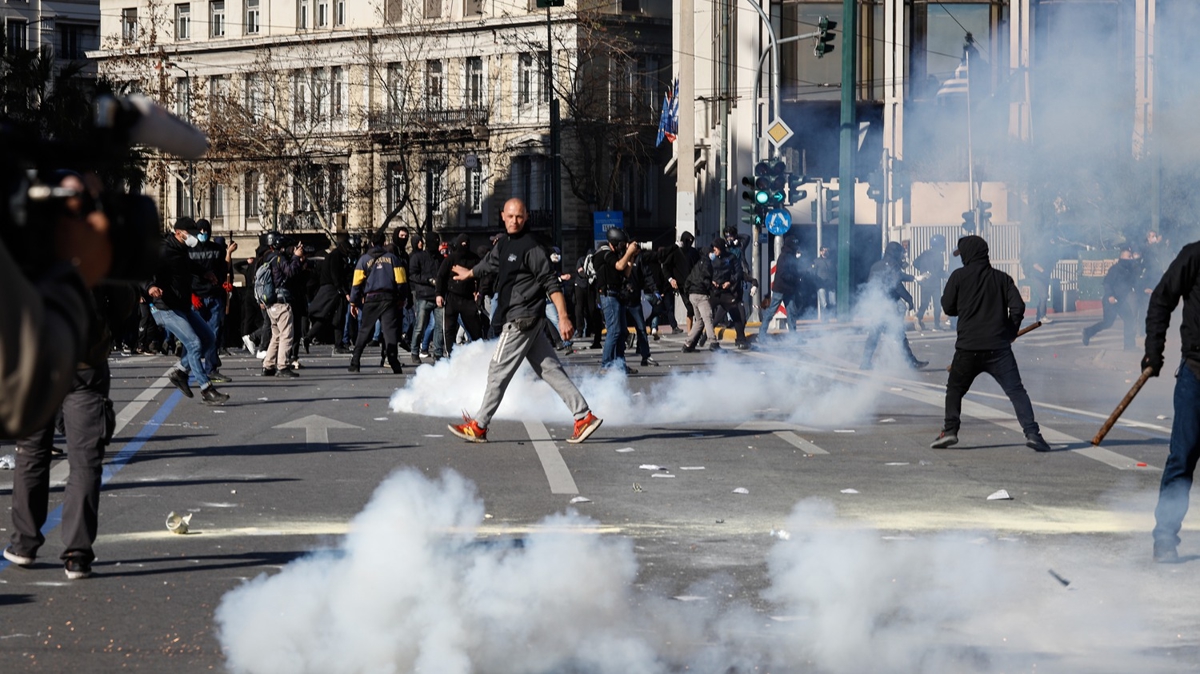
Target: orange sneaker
[469, 430]
[584, 428]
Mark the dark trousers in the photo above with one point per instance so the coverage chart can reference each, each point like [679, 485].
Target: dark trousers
[463, 308]
[1039, 295]
[85, 419]
[733, 308]
[1002, 365]
[931, 293]
[1112, 311]
[1181, 460]
[582, 311]
[384, 311]
[894, 328]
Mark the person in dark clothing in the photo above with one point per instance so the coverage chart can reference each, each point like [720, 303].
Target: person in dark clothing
[523, 281]
[458, 299]
[1181, 281]
[614, 264]
[932, 265]
[727, 278]
[1039, 265]
[990, 310]
[285, 259]
[327, 309]
[422, 279]
[637, 282]
[1120, 283]
[584, 298]
[375, 292]
[170, 291]
[785, 286]
[212, 260]
[825, 270]
[888, 277]
[699, 288]
[678, 261]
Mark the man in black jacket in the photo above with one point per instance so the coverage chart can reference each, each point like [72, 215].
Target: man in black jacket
[785, 287]
[990, 310]
[1181, 281]
[523, 281]
[170, 292]
[422, 280]
[888, 277]
[678, 261]
[213, 260]
[1122, 279]
[932, 265]
[328, 308]
[614, 266]
[699, 288]
[728, 276]
[458, 299]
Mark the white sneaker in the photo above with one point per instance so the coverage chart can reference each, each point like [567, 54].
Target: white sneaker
[249, 344]
[1046, 320]
[261, 355]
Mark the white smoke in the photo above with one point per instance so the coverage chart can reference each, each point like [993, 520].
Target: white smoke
[411, 589]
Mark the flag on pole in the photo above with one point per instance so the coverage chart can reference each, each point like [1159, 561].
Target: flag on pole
[668, 121]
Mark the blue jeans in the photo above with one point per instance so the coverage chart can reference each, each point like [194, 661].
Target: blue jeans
[777, 301]
[614, 323]
[199, 342]
[213, 313]
[1181, 461]
[424, 309]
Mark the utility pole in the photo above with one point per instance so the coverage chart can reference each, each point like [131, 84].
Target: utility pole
[849, 145]
[685, 139]
[555, 139]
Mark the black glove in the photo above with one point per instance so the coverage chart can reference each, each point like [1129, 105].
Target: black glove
[1154, 362]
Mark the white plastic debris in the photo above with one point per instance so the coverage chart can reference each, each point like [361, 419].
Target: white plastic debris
[691, 468]
[625, 450]
[218, 411]
[434, 435]
[849, 491]
[780, 534]
[896, 463]
[1001, 495]
[688, 597]
[661, 475]
[178, 524]
[262, 398]
[581, 499]
[741, 490]
[651, 466]
[887, 421]
[380, 418]
[8, 462]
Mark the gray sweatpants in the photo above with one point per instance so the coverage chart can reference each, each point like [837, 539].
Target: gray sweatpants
[520, 342]
[703, 320]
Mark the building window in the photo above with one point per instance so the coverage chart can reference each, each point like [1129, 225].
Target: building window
[339, 13]
[337, 93]
[475, 80]
[322, 13]
[252, 17]
[472, 7]
[75, 40]
[435, 86]
[129, 24]
[433, 9]
[183, 201]
[337, 188]
[254, 96]
[435, 177]
[253, 206]
[300, 93]
[397, 86]
[216, 202]
[218, 93]
[320, 94]
[183, 98]
[302, 10]
[475, 190]
[216, 18]
[17, 35]
[397, 187]
[531, 182]
[183, 21]
[526, 79]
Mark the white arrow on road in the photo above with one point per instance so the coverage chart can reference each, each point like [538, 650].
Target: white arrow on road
[316, 428]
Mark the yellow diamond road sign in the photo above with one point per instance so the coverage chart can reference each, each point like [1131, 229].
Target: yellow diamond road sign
[778, 132]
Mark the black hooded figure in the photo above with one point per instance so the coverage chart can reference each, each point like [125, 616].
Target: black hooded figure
[889, 276]
[989, 310]
[458, 298]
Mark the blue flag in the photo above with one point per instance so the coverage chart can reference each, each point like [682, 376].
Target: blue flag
[668, 121]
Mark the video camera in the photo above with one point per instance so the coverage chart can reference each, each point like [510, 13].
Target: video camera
[33, 202]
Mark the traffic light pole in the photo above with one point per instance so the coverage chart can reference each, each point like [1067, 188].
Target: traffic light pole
[849, 128]
[555, 132]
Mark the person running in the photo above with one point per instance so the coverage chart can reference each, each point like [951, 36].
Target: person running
[990, 310]
[375, 293]
[523, 279]
[889, 277]
[1120, 283]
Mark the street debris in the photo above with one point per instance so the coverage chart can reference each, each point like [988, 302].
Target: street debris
[781, 534]
[625, 450]
[691, 468]
[661, 474]
[8, 462]
[849, 491]
[434, 435]
[688, 597]
[218, 411]
[380, 418]
[741, 490]
[1160, 417]
[896, 463]
[1001, 495]
[1064, 581]
[637, 487]
[581, 499]
[177, 524]
[889, 420]
[651, 466]
[262, 398]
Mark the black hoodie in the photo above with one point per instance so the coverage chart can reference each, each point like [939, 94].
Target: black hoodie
[986, 300]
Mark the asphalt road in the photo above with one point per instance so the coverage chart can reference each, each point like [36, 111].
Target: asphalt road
[285, 466]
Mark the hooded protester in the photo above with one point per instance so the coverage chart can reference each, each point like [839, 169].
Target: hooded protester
[990, 310]
[889, 277]
[1120, 283]
[932, 265]
[458, 298]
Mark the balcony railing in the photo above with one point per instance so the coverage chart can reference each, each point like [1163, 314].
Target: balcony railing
[430, 118]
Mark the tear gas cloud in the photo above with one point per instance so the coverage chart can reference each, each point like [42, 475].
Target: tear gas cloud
[735, 388]
[411, 589]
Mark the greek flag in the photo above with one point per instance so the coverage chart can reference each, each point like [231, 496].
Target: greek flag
[668, 121]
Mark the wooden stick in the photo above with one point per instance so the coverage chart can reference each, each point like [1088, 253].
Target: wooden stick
[1112, 418]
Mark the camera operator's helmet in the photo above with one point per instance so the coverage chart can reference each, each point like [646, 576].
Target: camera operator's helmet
[275, 240]
[617, 237]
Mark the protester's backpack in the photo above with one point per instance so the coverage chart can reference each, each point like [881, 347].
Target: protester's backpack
[264, 283]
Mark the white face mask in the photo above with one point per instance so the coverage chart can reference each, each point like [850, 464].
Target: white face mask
[191, 241]
[555, 257]
[712, 256]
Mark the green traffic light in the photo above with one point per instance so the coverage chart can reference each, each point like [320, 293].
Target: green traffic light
[762, 197]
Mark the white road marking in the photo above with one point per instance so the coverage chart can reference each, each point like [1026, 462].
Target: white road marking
[316, 428]
[557, 473]
[785, 432]
[799, 443]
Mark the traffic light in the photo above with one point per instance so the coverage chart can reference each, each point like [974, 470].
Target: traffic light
[795, 194]
[985, 213]
[968, 222]
[752, 209]
[824, 43]
[762, 183]
[777, 186]
[901, 186]
[875, 186]
[831, 205]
